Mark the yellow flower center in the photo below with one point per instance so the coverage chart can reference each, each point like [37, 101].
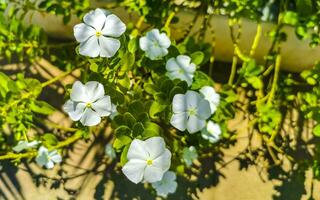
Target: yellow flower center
[149, 162]
[89, 105]
[98, 33]
[192, 111]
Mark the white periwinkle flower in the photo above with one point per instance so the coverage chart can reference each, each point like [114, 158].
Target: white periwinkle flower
[155, 44]
[22, 145]
[190, 111]
[109, 151]
[210, 95]
[47, 158]
[88, 103]
[189, 155]
[211, 132]
[98, 34]
[181, 68]
[167, 185]
[147, 160]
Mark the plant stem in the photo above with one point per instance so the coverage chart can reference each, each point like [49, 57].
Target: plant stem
[68, 141]
[55, 79]
[18, 155]
[256, 40]
[233, 69]
[275, 79]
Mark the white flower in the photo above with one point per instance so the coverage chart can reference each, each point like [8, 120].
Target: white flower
[109, 151]
[147, 160]
[98, 34]
[210, 95]
[88, 103]
[181, 68]
[114, 111]
[22, 145]
[46, 158]
[211, 132]
[155, 44]
[167, 185]
[190, 111]
[189, 155]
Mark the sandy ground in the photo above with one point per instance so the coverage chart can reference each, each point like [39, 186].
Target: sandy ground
[91, 177]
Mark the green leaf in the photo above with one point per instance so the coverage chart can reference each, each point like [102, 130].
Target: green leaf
[290, 18]
[197, 57]
[176, 90]
[201, 79]
[50, 139]
[42, 107]
[304, 7]
[121, 141]
[316, 130]
[122, 131]
[156, 108]
[151, 129]
[136, 107]
[123, 157]
[137, 129]
[129, 119]
[166, 86]
[133, 45]
[256, 82]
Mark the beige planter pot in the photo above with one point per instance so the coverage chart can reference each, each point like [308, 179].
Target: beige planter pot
[296, 54]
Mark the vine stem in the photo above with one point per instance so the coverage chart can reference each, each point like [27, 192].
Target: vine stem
[275, 79]
[33, 153]
[233, 69]
[256, 40]
[55, 79]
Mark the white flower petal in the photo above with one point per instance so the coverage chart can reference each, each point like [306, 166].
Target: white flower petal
[42, 156]
[164, 41]
[195, 124]
[113, 27]
[210, 94]
[134, 170]
[95, 18]
[179, 121]
[78, 92]
[212, 132]
[204, 110]
[108, 46]
[103, 106]
[75, 110]
[82, 32]
[90, 47]
[179, 103]
[163, 162]
[156, 53]
[143, 43]
[172, 65]
[185, 63]
[137, 150]
[20, 146]
[153, 174]
[193, 98]
[49, 164]
[155, 146]
[167, 185]
[90, 118]
[94, 91]
[55, 156]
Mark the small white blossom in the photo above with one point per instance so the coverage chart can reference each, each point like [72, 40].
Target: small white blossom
[155, 44]
[189, 155]
[181, 68]
[190, 111]
[88, 103]
[98, 34]
[109, 151]
[211, 132]
[210, 95]
[168, 184]
[147, 160]
[47, 158]
[22, 145]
